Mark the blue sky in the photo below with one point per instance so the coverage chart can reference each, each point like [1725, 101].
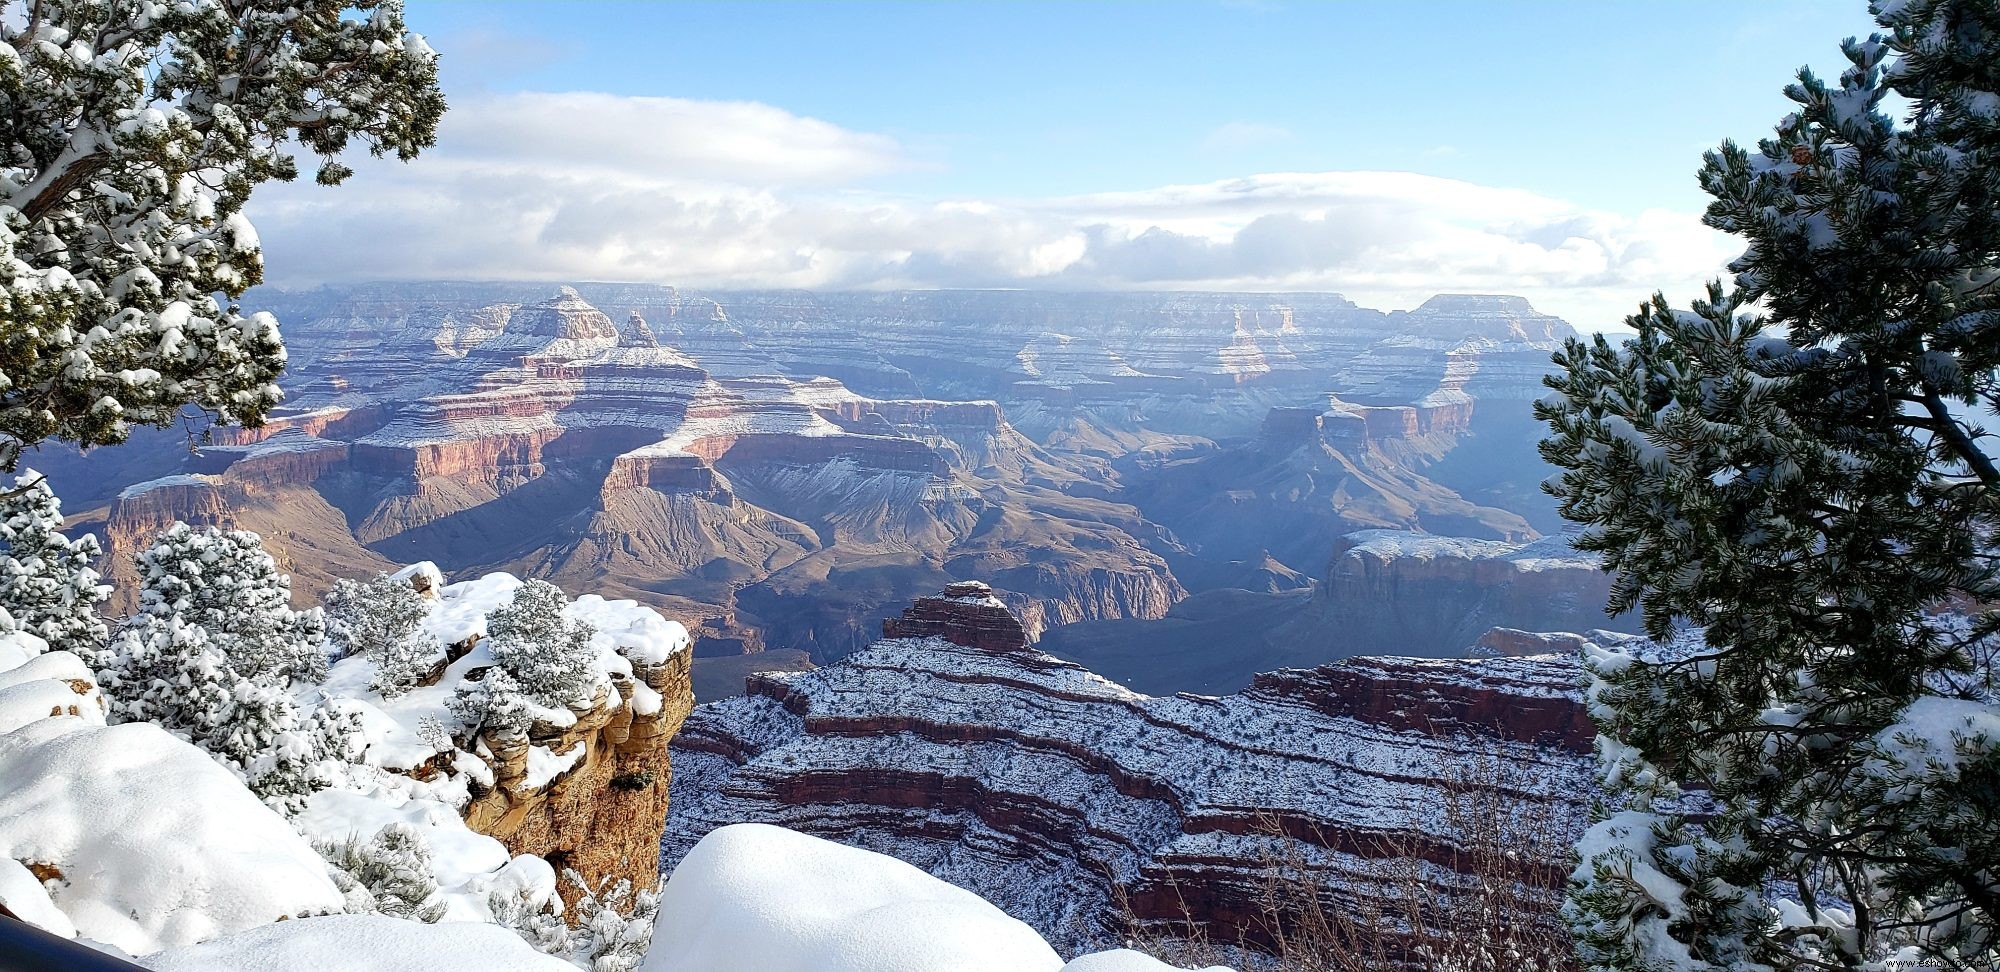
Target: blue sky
[1041, 144]
[1608, 103]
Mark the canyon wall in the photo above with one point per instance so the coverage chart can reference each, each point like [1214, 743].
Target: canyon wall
[1396, 593]
[786, 469]
[1055, 793]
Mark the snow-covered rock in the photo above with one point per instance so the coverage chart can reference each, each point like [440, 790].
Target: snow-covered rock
[589, 780]
[149, 842]
[361, 943]
[754, 896]
[1076, 804]
[126, 834]
[23, 895]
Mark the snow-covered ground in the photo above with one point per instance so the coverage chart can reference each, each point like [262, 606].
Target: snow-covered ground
[754, 896]
[135, 841]
[129, 836]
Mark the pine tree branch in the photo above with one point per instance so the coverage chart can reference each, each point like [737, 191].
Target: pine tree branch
[1960, 442]
[22, 489]
[56, 186]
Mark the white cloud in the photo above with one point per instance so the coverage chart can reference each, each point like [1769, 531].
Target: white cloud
[715, 194]
[589, 133]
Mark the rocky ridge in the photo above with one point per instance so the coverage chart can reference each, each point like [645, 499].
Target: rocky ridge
[1054, 792]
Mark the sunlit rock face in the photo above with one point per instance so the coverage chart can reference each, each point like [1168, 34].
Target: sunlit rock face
[1043, 787]
[1400, 593]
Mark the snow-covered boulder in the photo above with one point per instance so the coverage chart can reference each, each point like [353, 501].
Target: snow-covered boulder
[361, 943]
[149, 841]
[25, 898]
[753, 896]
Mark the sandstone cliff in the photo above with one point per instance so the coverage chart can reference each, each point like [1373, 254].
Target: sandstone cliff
[585, 788]
[603, 816]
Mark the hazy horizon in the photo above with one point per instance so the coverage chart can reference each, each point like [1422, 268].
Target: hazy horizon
[1222, 147]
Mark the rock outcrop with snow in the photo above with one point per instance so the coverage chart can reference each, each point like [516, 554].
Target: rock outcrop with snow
[583, 788]
[1042, 786]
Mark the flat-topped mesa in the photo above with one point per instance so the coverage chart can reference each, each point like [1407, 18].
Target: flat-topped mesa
[1340, 422]
[1496, 317]
[964, 613]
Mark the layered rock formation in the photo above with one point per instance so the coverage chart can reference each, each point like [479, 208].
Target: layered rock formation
[1396, 593]
[786, 469]
[603, 814]
[1054, 792]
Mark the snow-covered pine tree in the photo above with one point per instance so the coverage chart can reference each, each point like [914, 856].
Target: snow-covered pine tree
[224, 582]
[46, 580]
[212, 656]
[543, 663]
[549, 655]
[382, 620]
[169, 671]
[492, 703]
[136, 132]
[1804, 508]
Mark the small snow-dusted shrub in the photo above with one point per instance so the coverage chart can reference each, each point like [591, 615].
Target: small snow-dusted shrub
[382, 619]
[614, 925]
[47, 583]
[494, 704]
[537, 925]
[432, 731]
[634, 782]
[549, 655]
[224, 582]
[389, 873]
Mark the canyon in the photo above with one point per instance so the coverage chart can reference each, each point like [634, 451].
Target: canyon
[1094, 812]
[782, 471]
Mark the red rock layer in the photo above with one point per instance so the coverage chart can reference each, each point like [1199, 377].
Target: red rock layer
[966, 613]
